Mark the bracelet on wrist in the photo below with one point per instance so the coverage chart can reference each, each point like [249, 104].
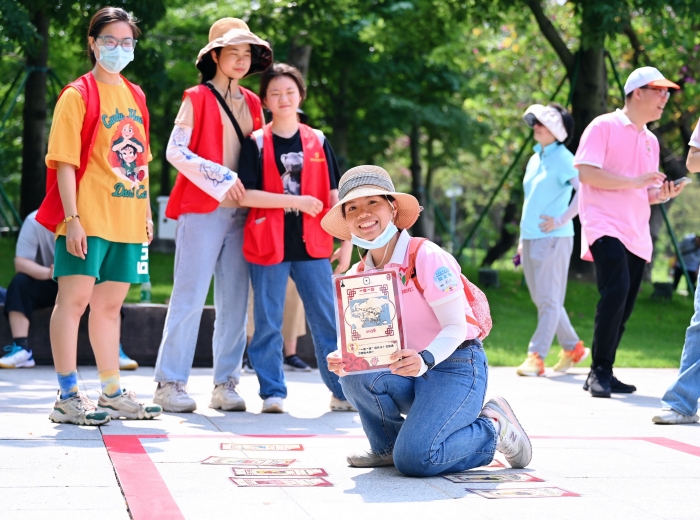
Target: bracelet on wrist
[69, 218]
[149, 221]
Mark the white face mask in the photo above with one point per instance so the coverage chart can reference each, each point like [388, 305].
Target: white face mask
[114, 60]
[383, 239]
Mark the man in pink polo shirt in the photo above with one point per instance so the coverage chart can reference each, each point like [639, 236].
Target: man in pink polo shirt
[618, 163]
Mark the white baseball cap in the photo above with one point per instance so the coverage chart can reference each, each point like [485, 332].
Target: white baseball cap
[647, 76]
[549, 117]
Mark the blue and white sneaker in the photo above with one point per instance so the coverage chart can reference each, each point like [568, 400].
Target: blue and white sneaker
[17, 357]
[125, 362]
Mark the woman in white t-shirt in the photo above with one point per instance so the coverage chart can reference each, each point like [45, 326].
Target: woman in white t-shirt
[439, 381]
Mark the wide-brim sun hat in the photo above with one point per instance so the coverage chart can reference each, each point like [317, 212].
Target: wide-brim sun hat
[368, 181]
[550, 118]
[233, 31]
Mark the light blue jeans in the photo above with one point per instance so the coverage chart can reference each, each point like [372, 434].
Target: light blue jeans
[315, 286]
[442, 431]
[206, 244]
[683, 394]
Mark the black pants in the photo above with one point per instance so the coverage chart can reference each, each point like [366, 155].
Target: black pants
[619, 275]
[678, 274]
[25, 294]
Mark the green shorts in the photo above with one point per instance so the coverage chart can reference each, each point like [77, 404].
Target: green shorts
[106, 261]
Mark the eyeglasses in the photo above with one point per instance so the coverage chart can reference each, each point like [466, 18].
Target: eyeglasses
[110, 42]
[660, 91]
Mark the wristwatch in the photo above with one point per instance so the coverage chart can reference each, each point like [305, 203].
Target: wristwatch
[428, 358]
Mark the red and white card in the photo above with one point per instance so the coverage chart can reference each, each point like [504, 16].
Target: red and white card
[368, 318]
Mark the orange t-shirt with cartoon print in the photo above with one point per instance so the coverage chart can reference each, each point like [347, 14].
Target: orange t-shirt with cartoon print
[113, 194]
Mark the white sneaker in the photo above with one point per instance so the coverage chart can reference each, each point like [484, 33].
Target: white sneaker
[369, 459]
[77, 409]
[126, 406]
[273, 405]
[341, 406]
[173, 398]
[224, 397]
[513, 441]
[670, 416]
[16, 357]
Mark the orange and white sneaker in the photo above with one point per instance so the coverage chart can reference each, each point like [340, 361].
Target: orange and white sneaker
[568, 358]
[533, 366]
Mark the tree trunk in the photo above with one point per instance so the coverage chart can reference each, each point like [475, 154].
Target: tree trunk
[341, 121]
[164, 164]
[421, 227]
[507, 237]
[32, 189]
[299, 55]
[590, 100]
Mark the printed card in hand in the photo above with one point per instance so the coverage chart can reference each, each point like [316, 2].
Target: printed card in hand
[368, 315]
[544, 492]
[233, 461]
[491, 478]
[279, 472]
[280, 482]
[262, 447]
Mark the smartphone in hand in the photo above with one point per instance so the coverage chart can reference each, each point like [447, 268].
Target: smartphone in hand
[682, 180]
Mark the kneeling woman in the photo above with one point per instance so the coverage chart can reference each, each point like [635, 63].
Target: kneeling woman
[439, 381]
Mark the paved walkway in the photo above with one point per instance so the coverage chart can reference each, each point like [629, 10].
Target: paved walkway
[607, 450]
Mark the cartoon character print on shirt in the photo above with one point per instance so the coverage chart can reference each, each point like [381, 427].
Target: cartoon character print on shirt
[127, 155]
[291, 178]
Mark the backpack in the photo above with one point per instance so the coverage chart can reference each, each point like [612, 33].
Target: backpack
[475, 297]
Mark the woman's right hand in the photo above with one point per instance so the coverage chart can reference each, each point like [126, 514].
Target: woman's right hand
[335, 363]
[309, 204]
[76, 239]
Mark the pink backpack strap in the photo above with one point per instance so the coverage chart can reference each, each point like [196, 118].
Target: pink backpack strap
[413, 246]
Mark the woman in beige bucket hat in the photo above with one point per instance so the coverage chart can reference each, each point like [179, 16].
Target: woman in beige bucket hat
[438, 382]
[205, 145]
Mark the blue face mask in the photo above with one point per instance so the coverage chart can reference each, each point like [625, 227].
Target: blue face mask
[114, 60]
[383, 239]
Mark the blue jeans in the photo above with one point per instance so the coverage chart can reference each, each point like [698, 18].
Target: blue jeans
[442, 431]
[683, 394]
[206, 244]
[315, 286]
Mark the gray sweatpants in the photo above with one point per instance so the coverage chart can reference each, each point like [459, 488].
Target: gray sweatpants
[206, 244]
[546, 266]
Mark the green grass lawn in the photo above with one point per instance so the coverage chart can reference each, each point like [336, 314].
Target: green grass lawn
[654, 335]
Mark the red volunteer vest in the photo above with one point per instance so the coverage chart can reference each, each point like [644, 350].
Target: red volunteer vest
[51, 213]
[207, 141]
[263, 242]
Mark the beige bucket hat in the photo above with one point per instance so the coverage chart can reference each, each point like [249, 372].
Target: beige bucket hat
[366, 181]
[233, 31]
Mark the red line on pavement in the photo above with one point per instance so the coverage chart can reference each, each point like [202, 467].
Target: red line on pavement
[145, 491]
[149, 498]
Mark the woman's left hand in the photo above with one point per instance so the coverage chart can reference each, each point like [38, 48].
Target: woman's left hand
[343, 255]
[149, 231]
[408, 363]
[549, 224]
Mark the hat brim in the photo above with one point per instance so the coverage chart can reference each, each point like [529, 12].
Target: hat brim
[407, 211]
[261, 54]
[664, 83]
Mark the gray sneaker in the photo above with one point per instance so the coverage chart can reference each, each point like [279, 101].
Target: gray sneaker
[273, 405]
[670, 416]
[126, 406]
[173, 398]
[513, 441]
[224, 397]
[77, 410]
[369, 459]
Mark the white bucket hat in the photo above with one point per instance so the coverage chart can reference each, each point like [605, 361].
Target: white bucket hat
[366, 181]
[233, 31]
[549, 117]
